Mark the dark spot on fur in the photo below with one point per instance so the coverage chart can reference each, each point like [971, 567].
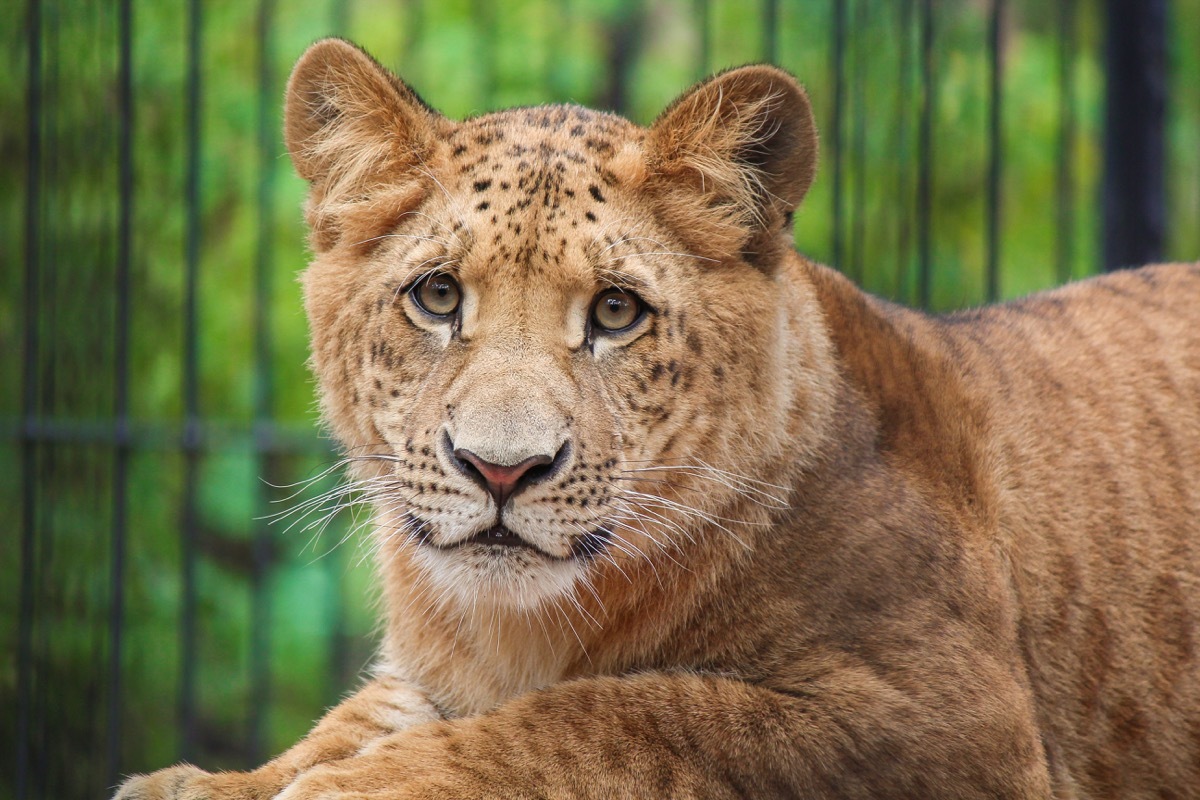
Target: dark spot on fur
[482, 185]
[594, 191]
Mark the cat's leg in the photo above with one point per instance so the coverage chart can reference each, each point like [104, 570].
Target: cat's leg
[382, 707]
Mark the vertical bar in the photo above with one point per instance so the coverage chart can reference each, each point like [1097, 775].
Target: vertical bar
[339, 17]
[770, 21]
[54, 251]
[903, 189]
[839, 92]
[624, 41]
[191, 427]
[116, 621]
[1135, 132]
[29, 395]
[858, 103]
[703, 12]
[558, 43]
[414, 34]
[1065, 180]
[925, 159]
[485, 26]
[336, 674]
[263, 401]
[995, 149]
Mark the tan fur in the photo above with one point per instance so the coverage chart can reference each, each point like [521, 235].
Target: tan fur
[799, 541]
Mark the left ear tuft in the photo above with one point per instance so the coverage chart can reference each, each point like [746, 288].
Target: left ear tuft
[735, 155]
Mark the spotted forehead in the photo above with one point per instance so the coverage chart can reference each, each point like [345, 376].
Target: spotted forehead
[534, 186]
[540, 137]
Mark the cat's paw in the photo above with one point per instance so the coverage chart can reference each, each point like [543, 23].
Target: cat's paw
[185, 782]
[174, 783]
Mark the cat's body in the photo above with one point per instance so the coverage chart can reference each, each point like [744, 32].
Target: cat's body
[665, 510]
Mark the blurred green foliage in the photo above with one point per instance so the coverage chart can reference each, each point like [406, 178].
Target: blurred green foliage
[465, 57]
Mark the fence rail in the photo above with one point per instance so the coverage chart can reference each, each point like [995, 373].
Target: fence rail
[151, 611]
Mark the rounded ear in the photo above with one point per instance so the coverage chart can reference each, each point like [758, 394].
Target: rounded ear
[339, 100]
[356, 133]
[745, 143]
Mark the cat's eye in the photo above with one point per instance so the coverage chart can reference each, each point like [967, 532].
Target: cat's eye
[437, 294]
[615, 310]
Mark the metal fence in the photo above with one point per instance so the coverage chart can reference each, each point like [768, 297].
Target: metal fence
[152, 390]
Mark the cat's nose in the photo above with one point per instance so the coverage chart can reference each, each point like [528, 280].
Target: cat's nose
[502, 481]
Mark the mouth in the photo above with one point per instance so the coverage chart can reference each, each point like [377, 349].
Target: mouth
[499, 539]
[500, 536]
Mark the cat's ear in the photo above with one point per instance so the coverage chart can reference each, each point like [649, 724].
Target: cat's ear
[736, 153]
[358, 135]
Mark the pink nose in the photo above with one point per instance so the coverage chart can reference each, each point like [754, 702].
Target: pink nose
[500, 481]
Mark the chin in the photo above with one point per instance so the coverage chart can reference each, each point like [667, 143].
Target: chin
[517, 578]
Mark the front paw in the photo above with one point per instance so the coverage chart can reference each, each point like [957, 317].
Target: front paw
[186, 782]
[175, 783]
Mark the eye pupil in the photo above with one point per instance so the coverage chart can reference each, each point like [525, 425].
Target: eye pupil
[616, 310]
[437, 294]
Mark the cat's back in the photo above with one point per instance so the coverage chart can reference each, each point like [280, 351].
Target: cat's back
[1093, 397]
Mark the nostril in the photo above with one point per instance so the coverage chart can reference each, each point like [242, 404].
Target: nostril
[466, 467]
[551, 468]
[537, 472]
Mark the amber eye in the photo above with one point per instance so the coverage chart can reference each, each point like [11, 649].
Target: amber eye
[437, 294]
[616, 310]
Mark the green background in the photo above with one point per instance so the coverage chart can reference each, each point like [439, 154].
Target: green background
[302, 619]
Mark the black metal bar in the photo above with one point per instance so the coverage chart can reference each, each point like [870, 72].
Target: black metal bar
[55, 252]
[1065, 179]
[412, 36]
[482, 12]
[995, 149]
[29, 379]
[624, 40]
[260, 667]
[336, 674]
[339, 17]
[191, 435]
[925, 160]
[835, 135]
[859, 143]
[703, 11]
[903, 187]
[770, 22]
[559, 43]
[1135, 200]
[116, 620]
